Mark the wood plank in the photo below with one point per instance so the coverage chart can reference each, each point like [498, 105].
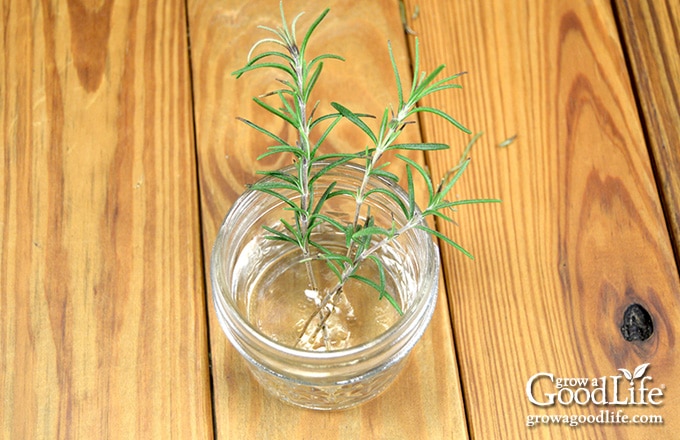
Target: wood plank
[580, 234]
[425, 400]
[103, 331]
[651, 32]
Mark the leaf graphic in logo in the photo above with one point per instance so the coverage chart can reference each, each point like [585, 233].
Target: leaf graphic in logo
[626, 374]
[640, 371]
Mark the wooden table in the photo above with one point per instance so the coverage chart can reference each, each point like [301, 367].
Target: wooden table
[121, 154]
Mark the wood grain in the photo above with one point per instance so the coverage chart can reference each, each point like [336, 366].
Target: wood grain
[425, 400]
[651, 33]
[103, 331]
[580, 234]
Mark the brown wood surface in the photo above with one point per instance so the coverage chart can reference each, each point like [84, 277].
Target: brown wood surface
[425, 400]
[102, 315]
[580, 234]
[103, 325]
[651, 31]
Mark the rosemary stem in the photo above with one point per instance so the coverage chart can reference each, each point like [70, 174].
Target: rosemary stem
[385, 141]
[349, 270]
[304, 145]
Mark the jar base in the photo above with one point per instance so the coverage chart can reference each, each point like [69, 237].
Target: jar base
[331, 397]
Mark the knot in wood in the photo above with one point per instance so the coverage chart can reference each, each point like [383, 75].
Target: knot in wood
[637, 323]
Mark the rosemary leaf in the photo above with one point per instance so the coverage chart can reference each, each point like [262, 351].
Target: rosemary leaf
[443, 115]
[439, 214]
[326, 132]
[320, 58]
[422, 172]
[411, 193]
[276, 149]
[381, 272]
[270, 53]
[389, 194]
[328, 193]
[282, 176]
[355, 119]
[370, 231]
[311, 82]
[447, 185]
[277, 235]
[277, 112]
[467, 202]
[272, 193]
[446, 239]
[418, 146]
[341, 160]
[383, 293]
[312, 27]
[262, 130]
[385, 174]
[277, 66]
[330, 221]
[400, 92]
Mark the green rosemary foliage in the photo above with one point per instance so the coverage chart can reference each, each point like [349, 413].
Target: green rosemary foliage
[362, 238]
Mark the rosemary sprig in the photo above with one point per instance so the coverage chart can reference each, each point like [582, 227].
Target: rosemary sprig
[362, 238]
[303, 76]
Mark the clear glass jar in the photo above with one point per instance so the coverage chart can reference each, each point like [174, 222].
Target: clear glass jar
[263, 297]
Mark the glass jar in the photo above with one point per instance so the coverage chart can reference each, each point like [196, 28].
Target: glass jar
[264, 298]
